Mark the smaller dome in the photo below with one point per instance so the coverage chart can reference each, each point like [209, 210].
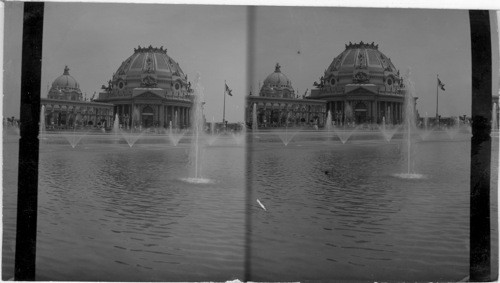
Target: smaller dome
[277, 85]
[277, 79]
[65, 81]
[65, 87]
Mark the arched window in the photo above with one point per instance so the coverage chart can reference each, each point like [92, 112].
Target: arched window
[147, 110]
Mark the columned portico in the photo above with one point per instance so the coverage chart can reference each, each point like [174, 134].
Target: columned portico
[363, 86]
[149, 90]
[68, 114]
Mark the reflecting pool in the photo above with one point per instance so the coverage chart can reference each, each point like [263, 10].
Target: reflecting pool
[319, 208]
[111, 212]
[342, 211]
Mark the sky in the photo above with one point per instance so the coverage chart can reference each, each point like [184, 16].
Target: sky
[93, 39]
[305, 40]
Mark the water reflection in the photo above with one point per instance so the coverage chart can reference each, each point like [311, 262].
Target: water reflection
[113, 213]
[337, 213]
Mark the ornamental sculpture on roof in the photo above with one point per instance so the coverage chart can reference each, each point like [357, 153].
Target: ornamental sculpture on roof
[148, 81]
[361, 45]
[150, 49]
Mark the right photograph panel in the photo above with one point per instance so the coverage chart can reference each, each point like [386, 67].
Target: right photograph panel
[360, 144]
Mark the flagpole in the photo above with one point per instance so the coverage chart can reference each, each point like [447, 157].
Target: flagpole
[437, 98]
[224, 109]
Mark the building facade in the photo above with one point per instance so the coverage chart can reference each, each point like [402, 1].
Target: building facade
[149, 89]
[361, 85]
[277, 105]
[65, 107]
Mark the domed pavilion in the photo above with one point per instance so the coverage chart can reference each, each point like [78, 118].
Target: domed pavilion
[65, 106]
[363, 83]
[65, 87]
[150, 89]
[277, 104]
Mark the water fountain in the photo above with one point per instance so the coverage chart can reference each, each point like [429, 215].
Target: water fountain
[239, 137]
[425, 132]
[213, 136]
[286, 136]
[255, 125]
[345, 131]
[41, 132]
[197, 130]
[388, 131]
[116, 125]
[176, 120]
[175, 135]
[389, 116]
[410, 126]
[328, 123]
[73, 137]
[133, 134]
[452, 130]
[131, 137]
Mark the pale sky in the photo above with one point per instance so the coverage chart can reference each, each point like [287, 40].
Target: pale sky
[94, 39]
[429, 42]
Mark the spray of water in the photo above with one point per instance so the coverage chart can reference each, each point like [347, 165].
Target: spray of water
[409, 128]
[197, 135]
[328, 123]
[116, 125]
[41, 132]
[254, 118]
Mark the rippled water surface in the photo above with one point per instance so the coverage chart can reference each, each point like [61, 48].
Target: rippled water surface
[109, 212]
[326, 210]
[337, 211]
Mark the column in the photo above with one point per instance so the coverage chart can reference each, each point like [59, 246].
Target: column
[169, 114]
[184, 116]
[369, 110]
[162, 115]
[401, 112]
[166, 116]
[176, 116]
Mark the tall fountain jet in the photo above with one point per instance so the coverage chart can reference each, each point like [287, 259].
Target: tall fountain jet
[345, 132]
[116, 125]
[211, 139]
[197, 130]
[328, 123]
[41, 132]
[425, 132]
[255, 125]
[410, 127]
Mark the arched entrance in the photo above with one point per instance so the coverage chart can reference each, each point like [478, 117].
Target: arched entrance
[360, 112]
[147, 116]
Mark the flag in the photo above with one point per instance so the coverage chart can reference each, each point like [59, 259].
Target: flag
[228, 90]
[440, 84]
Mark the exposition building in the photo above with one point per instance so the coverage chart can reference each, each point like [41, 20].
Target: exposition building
[277, 104]
[65, 106]
[149, 89]
[362, 84]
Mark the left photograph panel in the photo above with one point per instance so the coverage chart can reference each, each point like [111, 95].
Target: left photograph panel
[142, 148]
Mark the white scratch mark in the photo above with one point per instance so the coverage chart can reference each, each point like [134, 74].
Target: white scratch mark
[261, 205]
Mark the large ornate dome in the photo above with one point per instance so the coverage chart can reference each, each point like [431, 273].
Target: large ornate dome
[277, 85]
[149, 67]
[65, 87]
[360, 63]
